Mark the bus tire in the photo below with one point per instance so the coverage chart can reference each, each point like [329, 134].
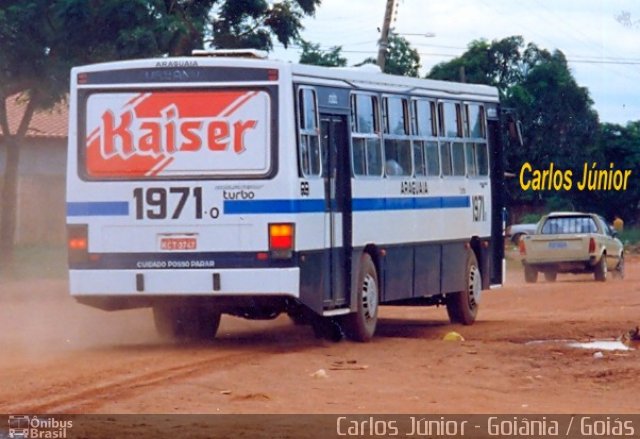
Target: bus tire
[361, 325]
[600, 271]
[327, 328]
[186, 322]
[462, 306]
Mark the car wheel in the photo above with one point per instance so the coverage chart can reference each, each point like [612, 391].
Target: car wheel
[530, 274]
[550, 276]
[600, 272]
[618, 273]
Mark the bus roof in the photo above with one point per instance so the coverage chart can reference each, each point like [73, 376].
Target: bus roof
[364, 77]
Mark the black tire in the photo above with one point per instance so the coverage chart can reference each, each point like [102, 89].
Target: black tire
[182, 322]
[618, 273]
[327, 328]
[550, 276]
[600, 272]
[297, 317]
[530, 274]
[361, 325]
[462, 306]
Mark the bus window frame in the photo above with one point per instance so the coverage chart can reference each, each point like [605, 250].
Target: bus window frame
[387, 135]
[375, 135]
[472, 142]
[300, 115]
[450, 141]
[424, 140]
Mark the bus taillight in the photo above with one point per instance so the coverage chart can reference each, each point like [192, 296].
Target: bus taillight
[281, 239]
[77, 242]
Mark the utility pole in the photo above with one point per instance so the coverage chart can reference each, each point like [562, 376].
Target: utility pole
[384, 34]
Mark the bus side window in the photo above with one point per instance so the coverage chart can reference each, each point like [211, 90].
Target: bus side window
[477, 155]
[452, 146]
[365, 137]
[309, 149]
[425, 138]
[397, 143]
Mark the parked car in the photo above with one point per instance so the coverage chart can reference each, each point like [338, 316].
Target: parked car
[516, 231]
[572, 242]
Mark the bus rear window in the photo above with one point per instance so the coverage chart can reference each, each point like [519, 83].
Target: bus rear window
[168, 134]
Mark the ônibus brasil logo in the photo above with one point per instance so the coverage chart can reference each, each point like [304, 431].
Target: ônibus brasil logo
[30, 427]
[150, 131]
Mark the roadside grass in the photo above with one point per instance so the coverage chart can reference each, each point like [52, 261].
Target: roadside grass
[37, 262]
[630, 236]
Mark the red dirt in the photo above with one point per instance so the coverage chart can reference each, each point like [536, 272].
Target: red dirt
[62, 357]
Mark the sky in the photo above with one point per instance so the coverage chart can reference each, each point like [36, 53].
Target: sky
[603, 54]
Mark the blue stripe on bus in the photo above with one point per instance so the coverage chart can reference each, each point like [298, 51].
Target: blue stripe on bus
[236, 207]
[369, 204]
[98, 208]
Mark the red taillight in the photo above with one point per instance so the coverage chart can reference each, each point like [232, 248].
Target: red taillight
[272, 74]
[77, 243]
[521, 247]
[592, 245]
[281, 239]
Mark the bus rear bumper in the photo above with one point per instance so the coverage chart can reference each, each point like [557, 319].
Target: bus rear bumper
[148, 283]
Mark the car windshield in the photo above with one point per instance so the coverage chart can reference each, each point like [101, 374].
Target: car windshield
[569, 224]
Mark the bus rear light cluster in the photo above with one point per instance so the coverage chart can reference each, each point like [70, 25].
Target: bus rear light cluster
[281, 239]
[78, 243]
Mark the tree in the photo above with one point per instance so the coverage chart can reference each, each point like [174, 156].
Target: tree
[252, 23]
[615, 144]
[498, 63]
[311, 54]
[559, 123]
[402, 59]
[43, 39]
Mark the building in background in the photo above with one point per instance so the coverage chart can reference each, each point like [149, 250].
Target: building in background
[41, 202]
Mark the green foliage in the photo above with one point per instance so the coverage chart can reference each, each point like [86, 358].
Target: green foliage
[311, 54]
[559, 123]
[401, 59]
[630, 235]
[618, 145]
[496, 63]
[251, 23]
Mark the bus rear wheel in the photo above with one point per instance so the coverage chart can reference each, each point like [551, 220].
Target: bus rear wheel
[186, 322]
[462, 306]
[361, 325]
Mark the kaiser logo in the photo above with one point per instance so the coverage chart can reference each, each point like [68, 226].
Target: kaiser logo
[176, 132]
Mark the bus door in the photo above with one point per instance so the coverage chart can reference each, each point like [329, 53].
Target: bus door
[335, 144]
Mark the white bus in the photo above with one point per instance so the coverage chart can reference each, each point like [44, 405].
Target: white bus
[207, 185]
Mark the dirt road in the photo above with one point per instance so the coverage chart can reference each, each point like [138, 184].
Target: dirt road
[62, 357]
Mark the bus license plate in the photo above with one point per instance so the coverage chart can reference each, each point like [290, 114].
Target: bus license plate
[174, 243]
